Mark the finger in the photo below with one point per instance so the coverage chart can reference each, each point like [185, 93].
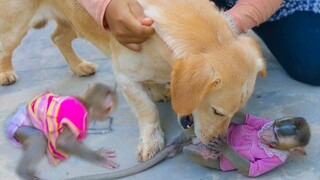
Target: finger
[146, 21]
[112, 164]
[138, 13]
[136, 27]
[133, 46]
[107, 150]
[138, 30]
[132, 40]
[136, 10]
[110, 152]
[111, 155]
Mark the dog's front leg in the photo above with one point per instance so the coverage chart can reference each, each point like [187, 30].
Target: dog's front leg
[151, 134]
[63, 37]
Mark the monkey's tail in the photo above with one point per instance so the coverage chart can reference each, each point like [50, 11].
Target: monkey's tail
[133, 170]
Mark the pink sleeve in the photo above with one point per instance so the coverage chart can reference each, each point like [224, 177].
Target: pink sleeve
[256, 122]
[96, 8]
[264, 165]
[247, 14]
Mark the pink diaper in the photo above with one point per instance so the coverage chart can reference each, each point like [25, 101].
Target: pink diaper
[20, 118]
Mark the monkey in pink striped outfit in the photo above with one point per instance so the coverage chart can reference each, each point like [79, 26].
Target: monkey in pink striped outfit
[56, 125]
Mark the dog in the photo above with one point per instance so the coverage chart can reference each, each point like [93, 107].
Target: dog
[211, 71]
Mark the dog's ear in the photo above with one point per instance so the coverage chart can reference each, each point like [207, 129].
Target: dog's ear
[191, 80]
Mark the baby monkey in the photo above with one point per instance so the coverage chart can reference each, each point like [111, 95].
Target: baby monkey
[56, 125]
[254, 145]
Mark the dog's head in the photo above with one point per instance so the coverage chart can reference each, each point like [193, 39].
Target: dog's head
[209, 87]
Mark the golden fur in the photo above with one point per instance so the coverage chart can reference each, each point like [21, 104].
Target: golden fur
[209, 68]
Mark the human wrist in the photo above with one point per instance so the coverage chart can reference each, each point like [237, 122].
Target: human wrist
[103, 14]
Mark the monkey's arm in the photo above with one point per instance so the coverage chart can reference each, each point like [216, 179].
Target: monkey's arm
[252, 169]
[238, 118]
[68, 143]
[242, 164]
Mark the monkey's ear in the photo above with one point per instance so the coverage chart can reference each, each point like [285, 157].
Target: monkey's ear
[298, 150]
[108, 103]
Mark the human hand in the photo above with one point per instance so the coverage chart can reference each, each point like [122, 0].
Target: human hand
[218, 144]
[128, 23]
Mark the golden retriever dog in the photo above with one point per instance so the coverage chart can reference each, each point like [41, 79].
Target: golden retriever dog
[211, 71]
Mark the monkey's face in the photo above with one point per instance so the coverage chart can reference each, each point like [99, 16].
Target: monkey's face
[103, 106]
[281, 135]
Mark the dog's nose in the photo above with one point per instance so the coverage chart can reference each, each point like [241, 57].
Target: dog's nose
[186, 121]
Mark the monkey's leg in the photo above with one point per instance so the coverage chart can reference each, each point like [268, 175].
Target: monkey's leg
[62, 38]
[35, 145]
[151, 134]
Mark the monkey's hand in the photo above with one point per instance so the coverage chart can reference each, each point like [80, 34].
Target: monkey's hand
[107, 156]
[218, 144]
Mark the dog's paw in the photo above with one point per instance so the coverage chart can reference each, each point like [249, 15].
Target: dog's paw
[150, 144]
[84, 69]
[7, 78]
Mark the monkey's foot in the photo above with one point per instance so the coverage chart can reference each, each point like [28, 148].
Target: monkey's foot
[150, 144]
[84, 69]
[7, 78]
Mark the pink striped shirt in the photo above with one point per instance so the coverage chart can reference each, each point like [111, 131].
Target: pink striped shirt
[51, 114]
[245, 140]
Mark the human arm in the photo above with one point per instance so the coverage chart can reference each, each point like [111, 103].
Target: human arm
[124, 18]
[246, 14]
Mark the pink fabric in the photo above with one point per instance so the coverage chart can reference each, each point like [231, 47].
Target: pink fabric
[244, 139]
[71, 109]
[97, 9]
[20, 118]
[247, 14]
[51, 114]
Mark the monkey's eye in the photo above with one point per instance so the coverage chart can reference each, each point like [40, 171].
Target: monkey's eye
[216, 112]
[273, 144]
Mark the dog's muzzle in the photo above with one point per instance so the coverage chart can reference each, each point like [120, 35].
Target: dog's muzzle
[186, 121]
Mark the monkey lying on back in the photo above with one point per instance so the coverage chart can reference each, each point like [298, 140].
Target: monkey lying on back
[55, 125]
[254, 145]
[270, 140]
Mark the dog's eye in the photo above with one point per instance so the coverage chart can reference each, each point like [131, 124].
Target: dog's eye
[216, 112]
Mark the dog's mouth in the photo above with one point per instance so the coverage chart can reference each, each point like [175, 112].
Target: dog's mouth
[186, 121]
